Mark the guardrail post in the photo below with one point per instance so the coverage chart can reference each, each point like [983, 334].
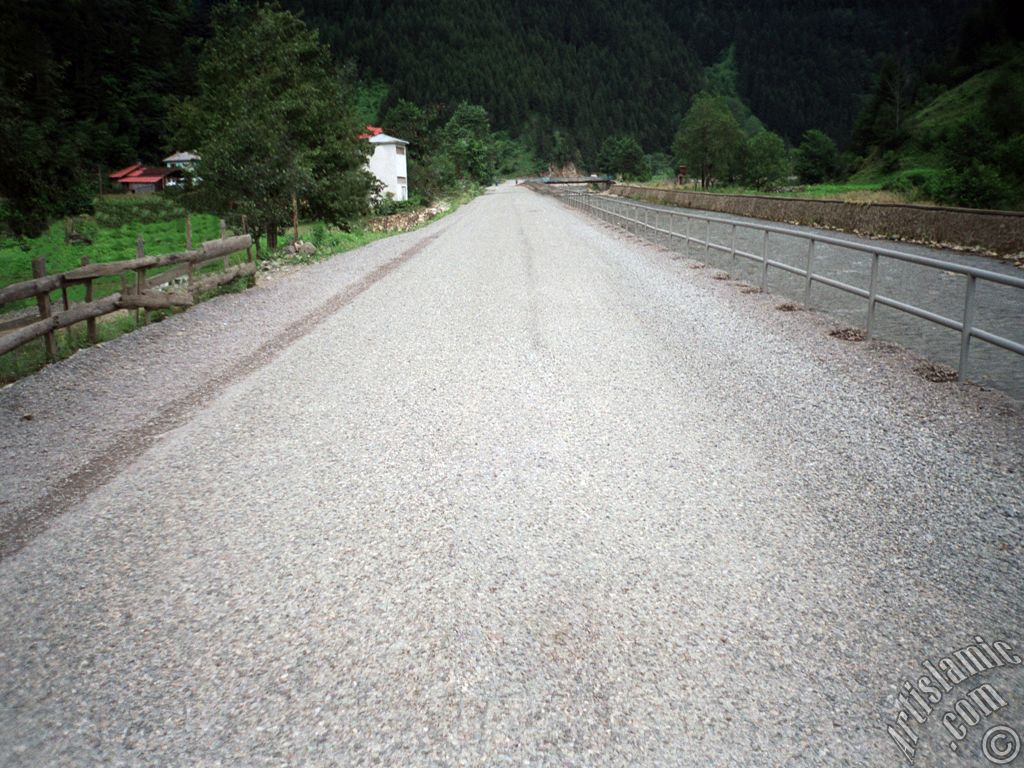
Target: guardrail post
[764, 262]
[43, 302]
[965, 334]
[707, 240]
[809, 272]
[689, 219]
[872, 293]
[732, 247]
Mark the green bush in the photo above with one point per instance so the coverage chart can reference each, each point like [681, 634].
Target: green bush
[976, 185]
[386, 206]
[915, 184]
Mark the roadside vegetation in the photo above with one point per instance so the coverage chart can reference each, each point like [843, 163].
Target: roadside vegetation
[948, 132]
[113, 240]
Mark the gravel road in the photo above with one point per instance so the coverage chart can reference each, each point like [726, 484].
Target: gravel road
[513, 489]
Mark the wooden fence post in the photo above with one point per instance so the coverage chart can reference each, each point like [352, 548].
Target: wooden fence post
[140, 278]
[248, 251]
[90, 324]
[226, 262]
[188, 231]
[43, 302]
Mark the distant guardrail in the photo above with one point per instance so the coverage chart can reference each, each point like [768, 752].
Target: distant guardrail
[637, 216]
[999, 231]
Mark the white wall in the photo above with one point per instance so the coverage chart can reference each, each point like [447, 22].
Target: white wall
[391, 169]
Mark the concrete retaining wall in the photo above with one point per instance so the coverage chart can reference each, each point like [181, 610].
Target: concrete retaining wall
[999, 231]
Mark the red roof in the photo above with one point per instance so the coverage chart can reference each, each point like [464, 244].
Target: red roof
[146, 174]
[371, 130]
[141, 179]
[126, 170]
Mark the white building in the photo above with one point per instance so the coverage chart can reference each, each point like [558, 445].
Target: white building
[181, 161]
[388, 164]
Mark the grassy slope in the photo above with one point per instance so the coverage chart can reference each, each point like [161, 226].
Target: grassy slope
[927, 127]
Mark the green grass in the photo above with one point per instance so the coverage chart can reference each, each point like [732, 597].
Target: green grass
[108, 244]
[826, 191]
[812, 191]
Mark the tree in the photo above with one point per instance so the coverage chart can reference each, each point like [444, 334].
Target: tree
[766, 160]
[623, 156]
[709, 138]
[469, 144]
[411, 122]
[880, 122]
[272, 119]
[41, 169]
[816, 158]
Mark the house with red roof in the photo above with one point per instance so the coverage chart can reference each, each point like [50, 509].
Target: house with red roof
[140, 179]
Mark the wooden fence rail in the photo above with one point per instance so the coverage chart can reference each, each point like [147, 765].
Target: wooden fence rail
[138, 293]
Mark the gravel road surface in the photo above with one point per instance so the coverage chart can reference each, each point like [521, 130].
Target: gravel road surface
[513, 489]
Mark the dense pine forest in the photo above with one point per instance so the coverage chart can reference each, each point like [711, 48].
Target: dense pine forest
[89, 85]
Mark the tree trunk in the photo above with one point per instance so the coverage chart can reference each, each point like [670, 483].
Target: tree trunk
[271, 236]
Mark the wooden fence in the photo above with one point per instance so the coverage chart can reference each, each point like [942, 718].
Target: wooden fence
[139, 290]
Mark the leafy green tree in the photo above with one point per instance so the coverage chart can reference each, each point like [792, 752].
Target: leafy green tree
[411, 122]
[709, 139]
[272, 119]
[623, 156]
[469, 144]
[563, 149]
[766, 161]
[817, 157]
[513, 157]
[979, 173]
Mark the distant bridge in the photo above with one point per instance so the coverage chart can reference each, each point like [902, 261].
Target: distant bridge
[605, 181]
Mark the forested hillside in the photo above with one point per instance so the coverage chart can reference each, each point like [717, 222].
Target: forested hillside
[595, 67]
[88, 85]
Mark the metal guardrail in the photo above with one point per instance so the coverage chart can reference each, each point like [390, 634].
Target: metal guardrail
[612, 211]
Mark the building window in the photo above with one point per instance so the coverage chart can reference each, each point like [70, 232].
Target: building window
[400, 150]
[401, 180]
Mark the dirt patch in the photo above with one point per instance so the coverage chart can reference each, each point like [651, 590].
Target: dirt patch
[721, 276]
[788, 307]
[750, 289]
[939, 374]
[848, 334]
